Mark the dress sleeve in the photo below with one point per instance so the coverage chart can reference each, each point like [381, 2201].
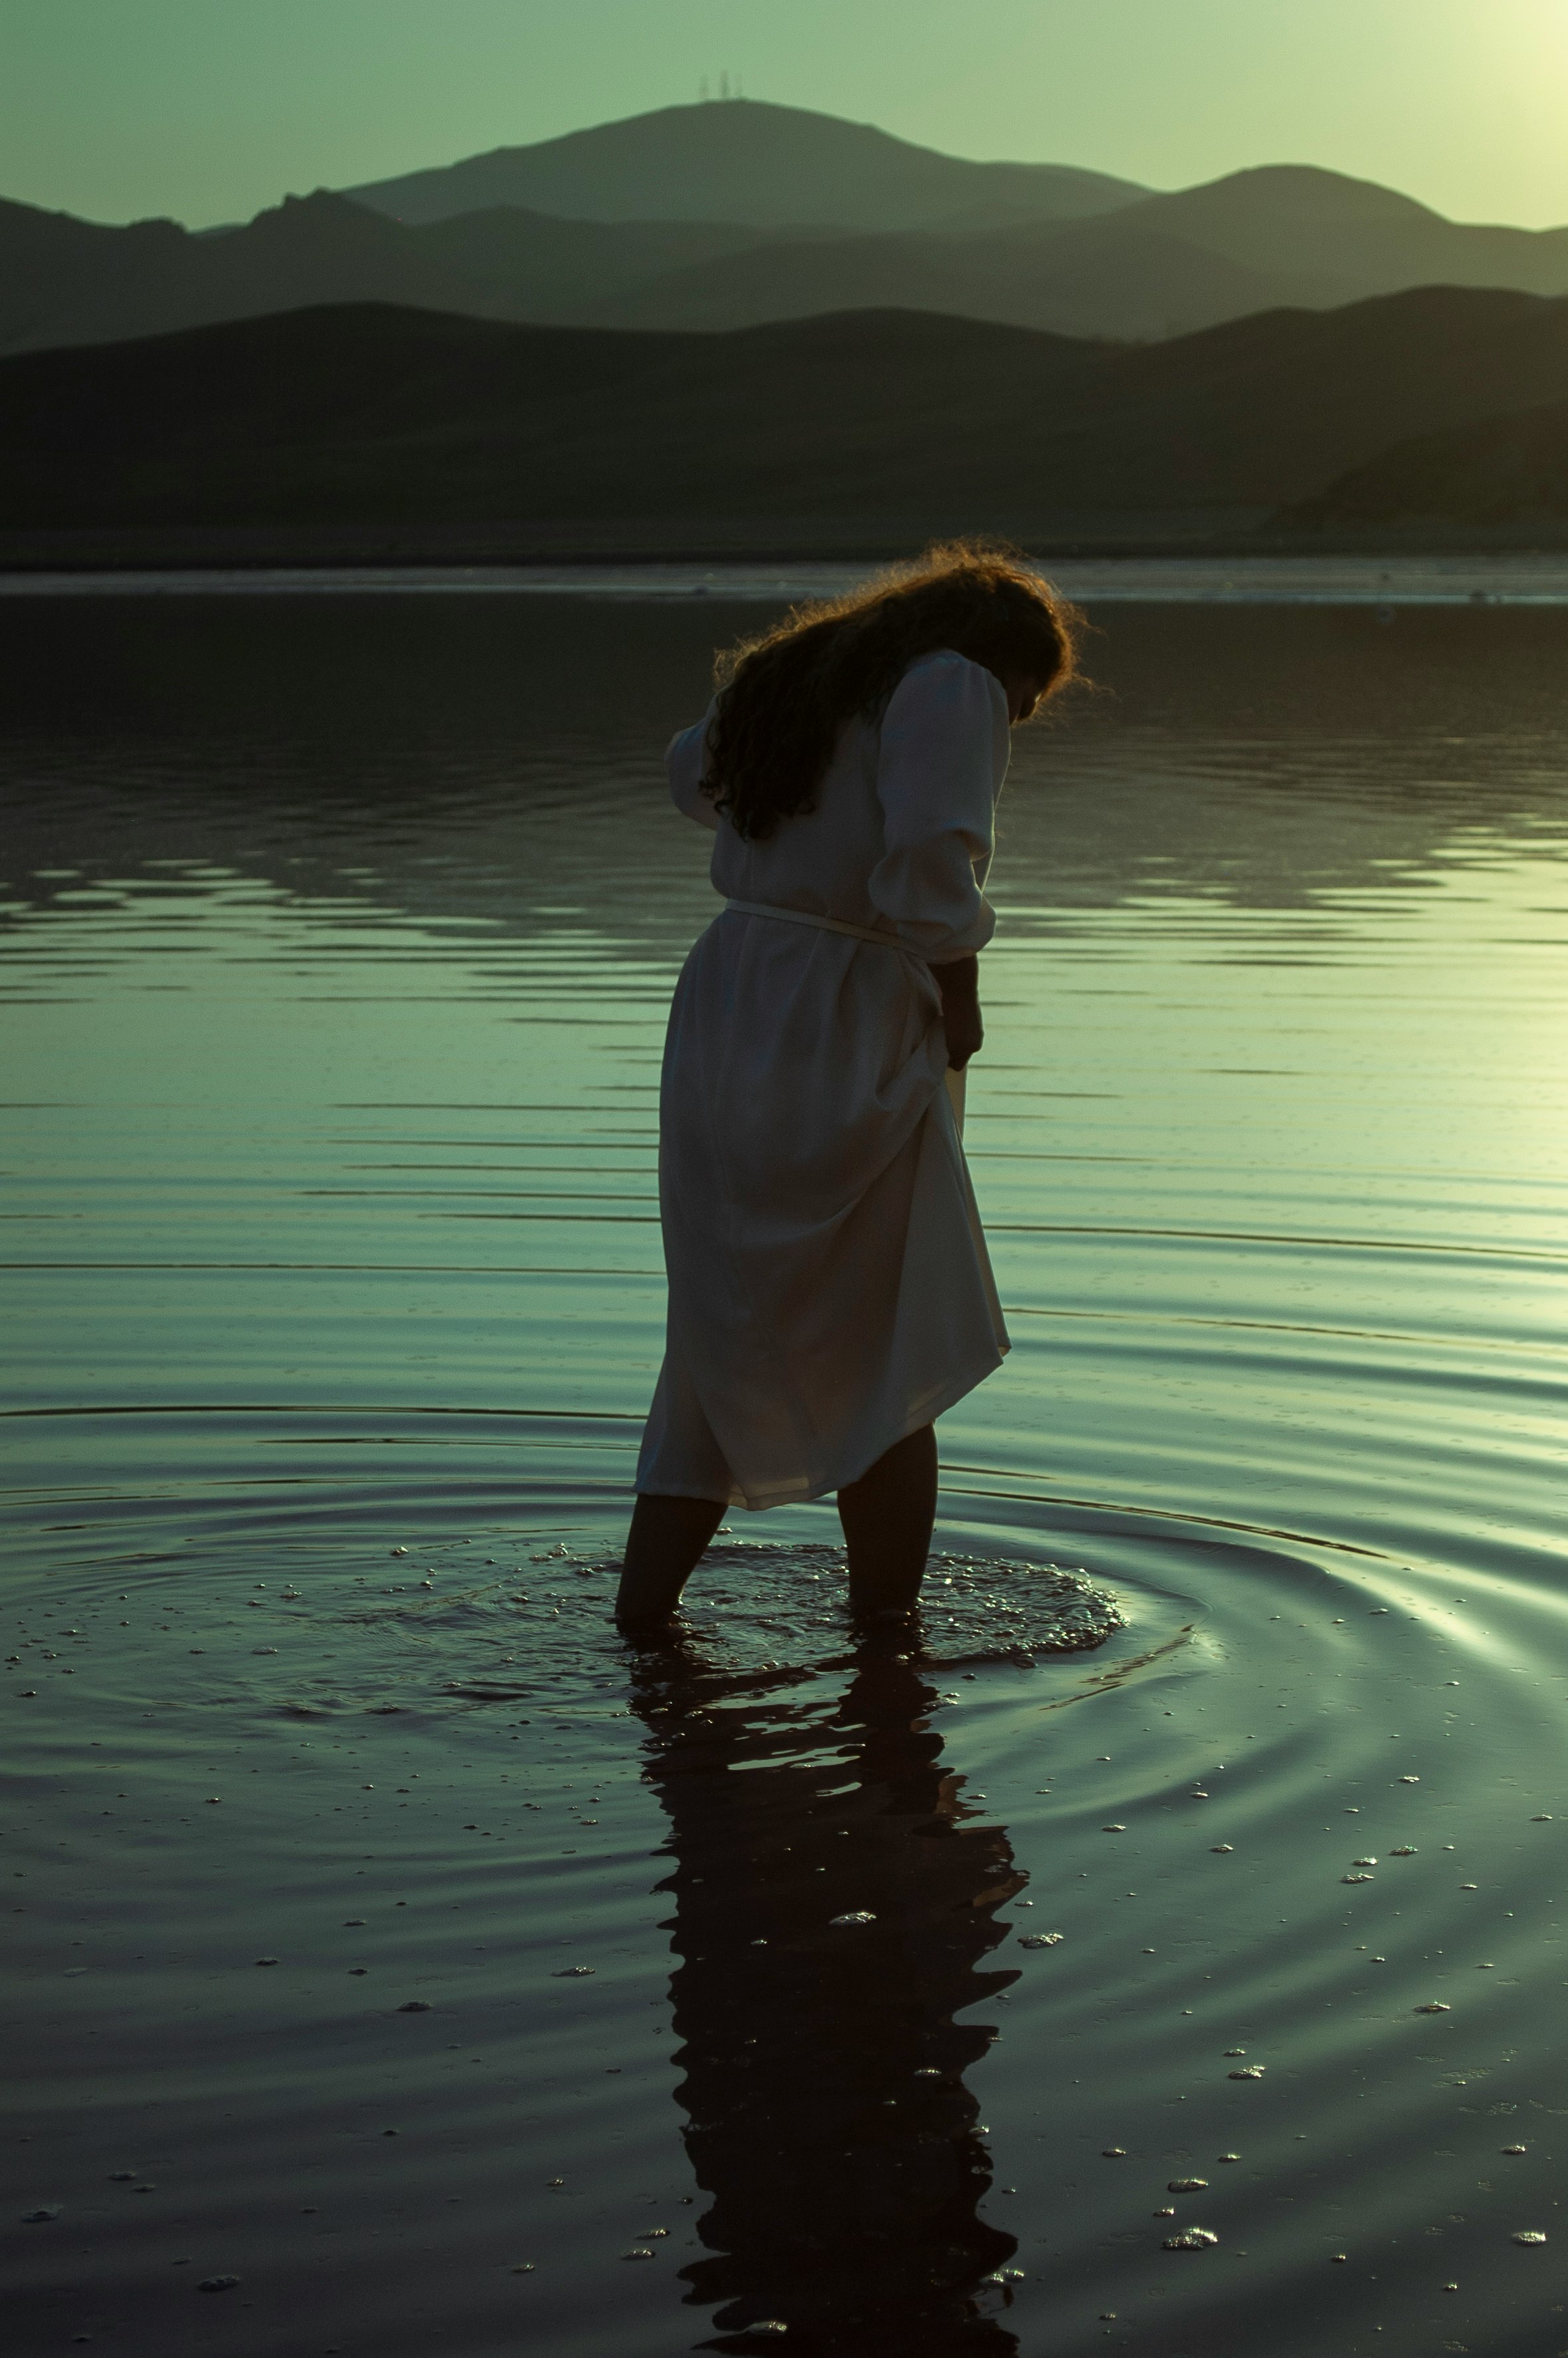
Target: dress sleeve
[941, 759]
[686, 758]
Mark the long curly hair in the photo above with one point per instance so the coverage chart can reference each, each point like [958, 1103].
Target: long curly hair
[785, 695]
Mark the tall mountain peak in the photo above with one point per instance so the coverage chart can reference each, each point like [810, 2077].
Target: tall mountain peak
[746, 160]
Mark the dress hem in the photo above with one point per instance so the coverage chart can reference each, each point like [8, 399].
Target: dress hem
[949, 1397]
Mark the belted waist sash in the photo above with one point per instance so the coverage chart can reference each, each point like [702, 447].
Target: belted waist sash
[859, 934]
[823, 925]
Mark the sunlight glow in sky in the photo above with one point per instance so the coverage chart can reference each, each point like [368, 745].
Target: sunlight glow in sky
[210, 109]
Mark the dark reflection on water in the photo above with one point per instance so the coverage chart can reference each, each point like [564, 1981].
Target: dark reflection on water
[823, 2063]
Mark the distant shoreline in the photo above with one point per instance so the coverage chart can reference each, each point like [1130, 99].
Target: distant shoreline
[1477, 579]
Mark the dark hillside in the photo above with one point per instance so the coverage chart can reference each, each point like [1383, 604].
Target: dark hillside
[1503, 470]
[376, 414]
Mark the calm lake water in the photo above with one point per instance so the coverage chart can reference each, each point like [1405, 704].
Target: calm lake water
[338, 933]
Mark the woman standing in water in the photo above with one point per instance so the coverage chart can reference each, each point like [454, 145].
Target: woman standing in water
[830, 1293]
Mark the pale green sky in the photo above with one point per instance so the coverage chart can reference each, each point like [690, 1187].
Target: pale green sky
[208, 109]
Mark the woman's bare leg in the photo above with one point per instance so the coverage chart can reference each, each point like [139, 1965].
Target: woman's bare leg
[667, 1538]
[887, 1517]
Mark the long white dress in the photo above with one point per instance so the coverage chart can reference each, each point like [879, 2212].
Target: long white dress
[829, 1288]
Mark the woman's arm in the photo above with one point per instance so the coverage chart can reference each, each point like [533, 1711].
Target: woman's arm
[959, 980]
[686, 758]
[942, 749]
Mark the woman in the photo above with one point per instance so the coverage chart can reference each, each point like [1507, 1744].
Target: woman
[829, 1290]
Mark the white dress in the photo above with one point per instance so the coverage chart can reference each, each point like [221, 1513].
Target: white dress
[829, 1288]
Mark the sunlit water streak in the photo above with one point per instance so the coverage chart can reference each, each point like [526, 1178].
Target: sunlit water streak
[339, 941]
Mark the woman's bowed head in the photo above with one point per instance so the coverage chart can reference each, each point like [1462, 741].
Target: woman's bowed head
[785, 695]
[830, 1293]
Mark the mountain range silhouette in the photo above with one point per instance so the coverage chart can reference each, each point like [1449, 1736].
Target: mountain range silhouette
[734, 213]
[731, 308]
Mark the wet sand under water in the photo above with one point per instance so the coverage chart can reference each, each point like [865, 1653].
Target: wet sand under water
[942, 1985]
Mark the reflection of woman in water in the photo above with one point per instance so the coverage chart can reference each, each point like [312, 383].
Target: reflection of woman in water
[829, 1290]
[829, 2119]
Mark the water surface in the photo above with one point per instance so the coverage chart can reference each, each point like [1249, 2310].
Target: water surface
[339, 933]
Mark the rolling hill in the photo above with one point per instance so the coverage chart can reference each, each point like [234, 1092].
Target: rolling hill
[1283, 234]
[742, 160]
[64, 281]
[376, 413]
[1501, 471]
[1131, 287]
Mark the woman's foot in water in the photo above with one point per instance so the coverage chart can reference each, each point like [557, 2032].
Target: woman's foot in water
[663, 1547]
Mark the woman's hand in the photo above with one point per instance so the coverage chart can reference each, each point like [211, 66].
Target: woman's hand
[959, 984]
